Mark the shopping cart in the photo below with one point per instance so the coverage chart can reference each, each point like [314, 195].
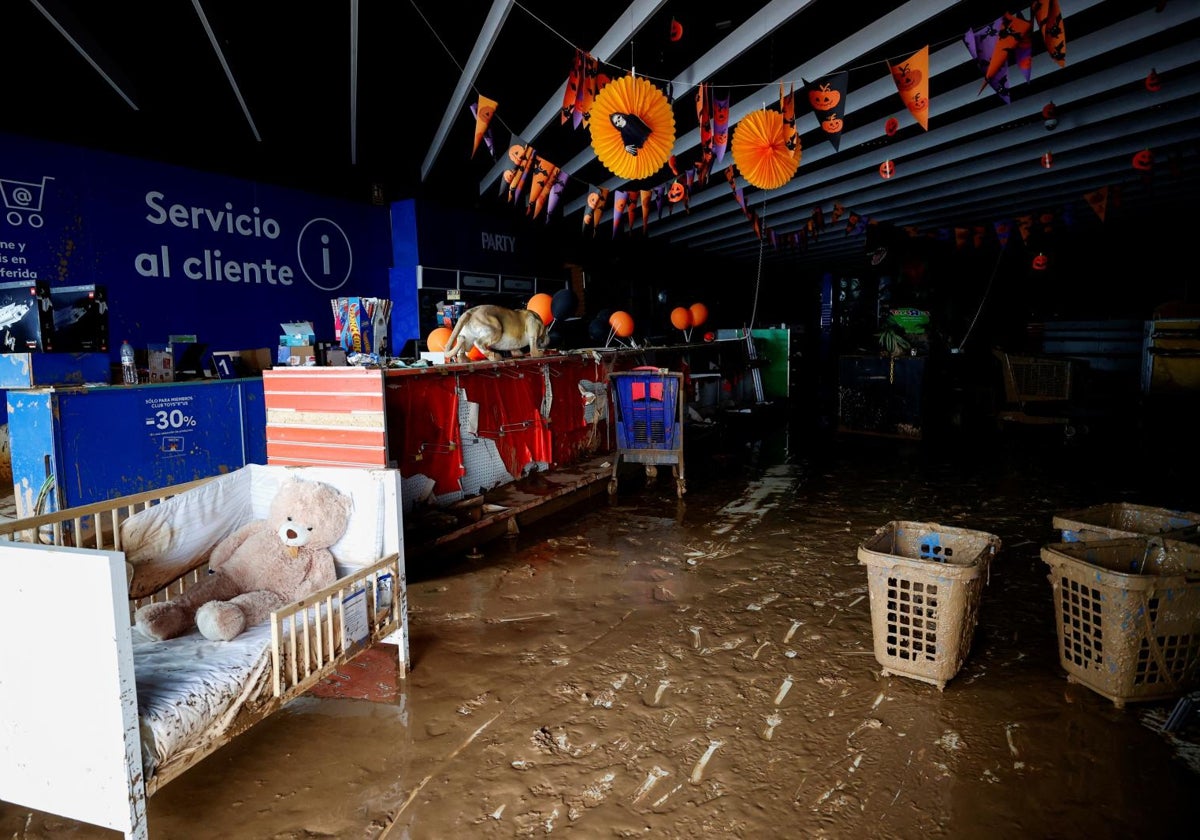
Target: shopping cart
[1037, 390]
[23, 201]
[649, 415]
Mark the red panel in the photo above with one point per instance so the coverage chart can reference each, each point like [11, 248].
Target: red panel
[344, 436]
[327, 402]
[304, 453]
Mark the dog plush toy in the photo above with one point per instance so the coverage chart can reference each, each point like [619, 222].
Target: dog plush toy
[259, 568]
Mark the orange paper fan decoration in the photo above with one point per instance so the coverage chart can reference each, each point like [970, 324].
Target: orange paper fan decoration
[643, 142]
[761, 152]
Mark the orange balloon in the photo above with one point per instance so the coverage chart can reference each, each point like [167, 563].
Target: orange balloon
[543, 305]
[436, 340]
[699, 314]
[622, 324]
[681, 317]
[475, 354]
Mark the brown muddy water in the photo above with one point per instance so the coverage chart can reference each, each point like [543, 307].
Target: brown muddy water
[650, 667]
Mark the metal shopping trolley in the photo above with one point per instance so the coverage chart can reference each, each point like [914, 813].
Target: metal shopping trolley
[1038, 390]
[23, 201]
[649, 414]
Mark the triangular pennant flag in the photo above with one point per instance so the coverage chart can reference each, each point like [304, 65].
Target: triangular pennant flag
[838, 212]
[1050, 23]
[619, 201]
[571, 95]
[560, 184]
[981, 44]
[720, 127]
[519, 155]
[483, 111]
[961, 235]
[787, 105]
[977, 235]
[704, 115]
[688, 180]
[657, 197]
[851, 222]
[912, 82]
[548, 175]
[588, 88]
[1025, 226]
[827, 98]
[645, 205]
[1003, 231]
[1011, 45]
[539, 175]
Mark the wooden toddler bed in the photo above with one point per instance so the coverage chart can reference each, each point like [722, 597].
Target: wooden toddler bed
[95, 717]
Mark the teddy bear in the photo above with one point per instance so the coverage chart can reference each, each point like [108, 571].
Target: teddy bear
[260, 567]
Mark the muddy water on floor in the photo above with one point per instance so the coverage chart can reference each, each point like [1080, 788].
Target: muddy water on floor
[645, 667]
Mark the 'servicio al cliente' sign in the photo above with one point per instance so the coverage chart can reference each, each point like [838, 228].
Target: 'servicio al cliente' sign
[182, 251]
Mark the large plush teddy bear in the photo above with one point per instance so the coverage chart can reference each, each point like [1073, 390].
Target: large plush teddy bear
[259, 568]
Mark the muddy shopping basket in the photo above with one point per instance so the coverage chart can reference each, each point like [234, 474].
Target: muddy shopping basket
[925, 583]
[1128, 615]
[649, 421]
[1117, 520]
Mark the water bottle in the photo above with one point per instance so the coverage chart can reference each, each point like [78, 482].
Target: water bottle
[128, 364]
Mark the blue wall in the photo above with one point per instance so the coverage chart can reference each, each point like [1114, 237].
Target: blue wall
[188, 252]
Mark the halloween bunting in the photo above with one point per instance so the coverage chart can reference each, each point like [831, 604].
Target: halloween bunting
[720, 127]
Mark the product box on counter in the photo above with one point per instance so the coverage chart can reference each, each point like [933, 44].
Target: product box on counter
[297, 334]
[26, 318]
[176, 362]
[302, 355]
[80, 318]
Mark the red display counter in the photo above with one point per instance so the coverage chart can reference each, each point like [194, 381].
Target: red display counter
[537, 411]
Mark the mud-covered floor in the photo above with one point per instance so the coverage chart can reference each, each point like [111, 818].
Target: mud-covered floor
[645, 667]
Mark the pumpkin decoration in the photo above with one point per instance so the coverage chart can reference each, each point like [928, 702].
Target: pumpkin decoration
[887, 169]
[1153, 82]
[676, 192]
[676, 30]
[1047, 160]
[1050, 116]
[632, 127]
[1041, 262]
[832, 124]
[760, 150]
[824, 98]
[1143, 161]
[891, 126]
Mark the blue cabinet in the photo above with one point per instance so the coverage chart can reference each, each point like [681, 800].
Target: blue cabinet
[74, 446]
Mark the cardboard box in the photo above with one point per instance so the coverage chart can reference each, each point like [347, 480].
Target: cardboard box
[297, 356]
[237, 364]
[26, 318]
[80, 318]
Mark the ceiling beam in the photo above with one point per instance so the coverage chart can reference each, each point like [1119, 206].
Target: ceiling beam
[353, 82]
[212, 39]
[466, 82]
[62, 20]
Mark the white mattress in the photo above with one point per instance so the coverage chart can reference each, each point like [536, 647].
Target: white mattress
[185, 685]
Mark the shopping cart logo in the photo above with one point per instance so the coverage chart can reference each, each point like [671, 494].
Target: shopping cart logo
[23, 201]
